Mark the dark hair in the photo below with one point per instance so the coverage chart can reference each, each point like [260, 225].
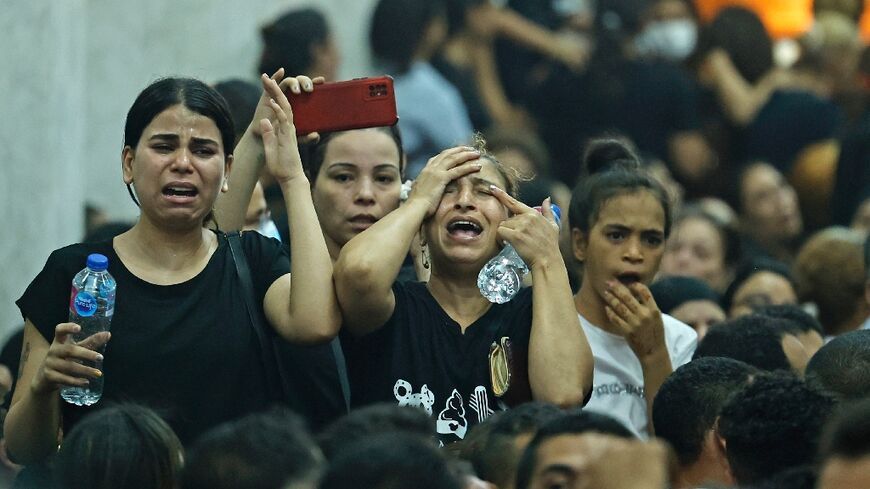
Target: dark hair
[752, 339]
[242, 98]
[398, 27]
[729, 236]
[313, 154]
[497, 459]
[365, 422]
[607, 153]
[390, 461]
[689, 401]
[842, 367]
[742, 35]
[288, 40]
[672, 292]
[771, 424]
[189, 92]
[124, 445]
[265, 450]
[568, 424]
[746, 270]
[592, 193]
[797, 321]
[848, 433]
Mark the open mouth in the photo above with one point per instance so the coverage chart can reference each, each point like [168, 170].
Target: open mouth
[464, 228]
[180, 190]
[628, 278]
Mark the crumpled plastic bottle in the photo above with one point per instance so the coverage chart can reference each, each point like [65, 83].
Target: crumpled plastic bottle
[502, 276]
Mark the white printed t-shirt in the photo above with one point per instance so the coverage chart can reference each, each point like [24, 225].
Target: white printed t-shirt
[617, 381]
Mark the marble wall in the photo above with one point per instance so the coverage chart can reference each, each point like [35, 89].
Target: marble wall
[68, 73]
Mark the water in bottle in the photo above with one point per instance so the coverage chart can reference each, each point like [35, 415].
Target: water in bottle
[92, 304]
[502, 276]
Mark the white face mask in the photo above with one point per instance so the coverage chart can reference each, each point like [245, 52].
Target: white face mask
[673, 40]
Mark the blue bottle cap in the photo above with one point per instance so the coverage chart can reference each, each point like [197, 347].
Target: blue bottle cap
[557, 212]
[97, 262]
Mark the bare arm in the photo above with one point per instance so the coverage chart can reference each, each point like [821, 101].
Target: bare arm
[304, 309]
[370, 262]
[634, 311]
[248, 155]
[560, 360]
[569, 49]
[33, 424]
[740, 100]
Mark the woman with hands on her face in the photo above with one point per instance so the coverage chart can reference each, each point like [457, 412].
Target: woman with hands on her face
[619, 221]
[428, 344]
[181, 342]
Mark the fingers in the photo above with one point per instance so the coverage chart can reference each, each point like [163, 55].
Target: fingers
[622, 295]
[453, 157]
[463, 169]
[513, 205]
[617, 320]
[318, 80]
[312, 138]
[63, 331]
[95, 342]
[305, 82]
[643, 295]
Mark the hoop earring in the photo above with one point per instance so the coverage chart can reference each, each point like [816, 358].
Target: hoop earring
[424, 256]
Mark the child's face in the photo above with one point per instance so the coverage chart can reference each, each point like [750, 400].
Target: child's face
[626, 242]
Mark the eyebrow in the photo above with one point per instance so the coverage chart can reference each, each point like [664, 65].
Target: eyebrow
[622, 227]
[382, 166]
[174, 137]
[482, 181]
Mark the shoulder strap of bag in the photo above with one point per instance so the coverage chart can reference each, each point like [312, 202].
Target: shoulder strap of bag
[266, 347]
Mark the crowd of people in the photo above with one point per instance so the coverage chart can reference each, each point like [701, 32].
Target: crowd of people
[304, 311]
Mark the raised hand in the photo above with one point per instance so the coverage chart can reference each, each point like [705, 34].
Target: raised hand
[535, 235]
[279, 142]
[634, 312]
[440, 170]
[274, 88]
[62, 365]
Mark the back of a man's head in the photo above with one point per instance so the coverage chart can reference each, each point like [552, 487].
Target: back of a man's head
[567, 424]
[508, 436]
[842, 367]
[771, 424]
[260, 451]
[688, 402]
[845, 449]
[751, 339]
[373, 420]
[390, 461]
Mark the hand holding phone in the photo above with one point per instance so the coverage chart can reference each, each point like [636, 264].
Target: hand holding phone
[340, 106]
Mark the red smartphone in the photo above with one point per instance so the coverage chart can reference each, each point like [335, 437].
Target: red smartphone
[339, 106]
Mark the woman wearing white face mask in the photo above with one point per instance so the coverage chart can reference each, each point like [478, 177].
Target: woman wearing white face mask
[670, 33]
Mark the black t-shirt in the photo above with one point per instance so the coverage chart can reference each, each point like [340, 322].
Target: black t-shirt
[421, 358]
[187, 350]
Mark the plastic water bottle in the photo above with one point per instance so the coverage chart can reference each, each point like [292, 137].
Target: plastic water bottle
[91, 306]
[502, 276]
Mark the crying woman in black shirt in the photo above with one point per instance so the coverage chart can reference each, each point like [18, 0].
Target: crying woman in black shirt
[429, 344]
